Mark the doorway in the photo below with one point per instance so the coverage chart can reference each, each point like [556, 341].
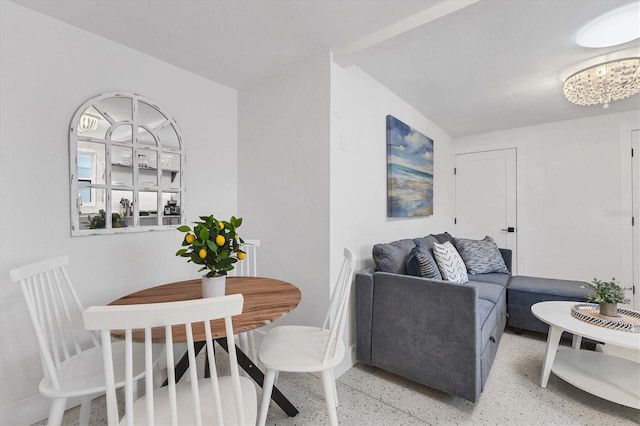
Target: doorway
[635, 215]
[486, 198]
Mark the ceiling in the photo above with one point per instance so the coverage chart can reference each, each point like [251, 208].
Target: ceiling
[470, 67]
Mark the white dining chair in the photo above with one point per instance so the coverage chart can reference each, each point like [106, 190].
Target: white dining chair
[248, 267]
[71, 369]
[310, 349]
[214, 400]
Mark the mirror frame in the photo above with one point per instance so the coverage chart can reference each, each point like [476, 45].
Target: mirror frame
[136, 186]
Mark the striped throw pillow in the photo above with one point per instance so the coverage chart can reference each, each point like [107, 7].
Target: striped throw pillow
[450, 263]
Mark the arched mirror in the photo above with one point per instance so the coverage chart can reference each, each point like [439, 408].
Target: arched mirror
[126, 165]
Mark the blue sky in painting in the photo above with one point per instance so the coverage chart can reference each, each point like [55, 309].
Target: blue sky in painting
[408, 147]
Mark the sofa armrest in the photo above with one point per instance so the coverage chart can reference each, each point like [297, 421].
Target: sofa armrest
[507, 255]
[425, 330]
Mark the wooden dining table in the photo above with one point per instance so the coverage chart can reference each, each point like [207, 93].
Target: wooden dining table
[265, 300]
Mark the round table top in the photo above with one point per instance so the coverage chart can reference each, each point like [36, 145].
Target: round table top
[558, 314]
[265, 300]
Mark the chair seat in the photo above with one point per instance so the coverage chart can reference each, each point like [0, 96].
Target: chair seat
[83, 374]
[161, 403]
[298, 349]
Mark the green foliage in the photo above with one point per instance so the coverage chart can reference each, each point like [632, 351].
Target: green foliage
[219, 259]
[100, 221]
[606, 292]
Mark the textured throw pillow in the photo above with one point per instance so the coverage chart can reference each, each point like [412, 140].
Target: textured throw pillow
[422, 264]
[450, 263]
[481, 256]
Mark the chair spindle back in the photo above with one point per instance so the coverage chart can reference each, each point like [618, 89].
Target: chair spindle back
[54, 308]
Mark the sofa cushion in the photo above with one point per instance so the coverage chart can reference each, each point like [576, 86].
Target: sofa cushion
[481, 256]
[392, 257]
[450, 263]
[493, 278]
[487, 291]
[426, 242]
[422, 264]
[443, 238]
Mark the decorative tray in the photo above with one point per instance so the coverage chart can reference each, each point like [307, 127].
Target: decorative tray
[627, 320]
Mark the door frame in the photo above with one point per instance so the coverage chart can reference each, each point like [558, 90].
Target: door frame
[626, 212]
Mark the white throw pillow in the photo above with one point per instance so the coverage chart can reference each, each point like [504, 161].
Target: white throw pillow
[450, 263]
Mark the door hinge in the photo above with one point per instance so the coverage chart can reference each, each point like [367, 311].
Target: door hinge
[632, 152]
[633, 289]
[455, 170]
[455, 220]
[633, 221]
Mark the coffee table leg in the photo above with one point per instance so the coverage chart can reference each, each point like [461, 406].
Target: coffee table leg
[576, 341]
[553, 339]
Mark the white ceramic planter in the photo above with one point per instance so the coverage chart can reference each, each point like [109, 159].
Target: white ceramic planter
[213, 287]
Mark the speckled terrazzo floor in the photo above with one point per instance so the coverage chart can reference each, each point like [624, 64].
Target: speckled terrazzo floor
[512, 396]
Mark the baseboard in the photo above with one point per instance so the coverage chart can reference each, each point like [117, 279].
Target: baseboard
[29, 410]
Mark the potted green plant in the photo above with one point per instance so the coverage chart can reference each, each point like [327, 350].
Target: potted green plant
[215, 246]
[99, 221]
[607, 294]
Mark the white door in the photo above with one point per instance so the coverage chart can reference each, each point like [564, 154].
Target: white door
[635, 214]
[485, 197]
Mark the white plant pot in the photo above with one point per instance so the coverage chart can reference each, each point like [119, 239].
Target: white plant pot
[214, 287]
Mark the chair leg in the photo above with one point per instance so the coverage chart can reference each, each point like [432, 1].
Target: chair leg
[85, 410]
[267, 387]
[329, 395]
[335, 391]
[252, 347]
[243, 343]
[56, 411]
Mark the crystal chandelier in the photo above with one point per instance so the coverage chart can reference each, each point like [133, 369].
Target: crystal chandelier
[603, 83]
[88, 123]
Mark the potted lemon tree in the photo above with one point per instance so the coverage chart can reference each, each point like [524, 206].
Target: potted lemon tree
[215, 246]
[607, 294]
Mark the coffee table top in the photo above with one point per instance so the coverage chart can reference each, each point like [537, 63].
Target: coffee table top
[558, 314]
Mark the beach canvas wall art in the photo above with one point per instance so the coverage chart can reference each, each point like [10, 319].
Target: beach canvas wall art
[409, 171]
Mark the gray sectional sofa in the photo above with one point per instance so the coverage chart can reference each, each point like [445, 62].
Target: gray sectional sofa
[439, 333]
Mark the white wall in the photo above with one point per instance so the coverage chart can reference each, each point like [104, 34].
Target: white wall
[359, 106]
[283, 180]
[569, 194]
[47, 70]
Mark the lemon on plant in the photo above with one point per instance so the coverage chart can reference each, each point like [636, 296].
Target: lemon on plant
[220, 224]
[190, 238]
[220, 240]
[202, 253]
[241, 255]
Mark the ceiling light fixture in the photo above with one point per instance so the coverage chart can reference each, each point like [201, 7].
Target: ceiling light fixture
[88, 123]
[616, 27]
[603, 83]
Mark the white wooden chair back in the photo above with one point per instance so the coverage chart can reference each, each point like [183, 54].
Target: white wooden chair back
[55, 311]
[338, 305]
[201, 401]
[248, 267]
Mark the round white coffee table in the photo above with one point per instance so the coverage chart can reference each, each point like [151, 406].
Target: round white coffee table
[612, 378]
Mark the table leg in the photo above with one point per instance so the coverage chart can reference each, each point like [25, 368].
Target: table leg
[257, 376]
[183, 364]
[576, 341]
[553, 339]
